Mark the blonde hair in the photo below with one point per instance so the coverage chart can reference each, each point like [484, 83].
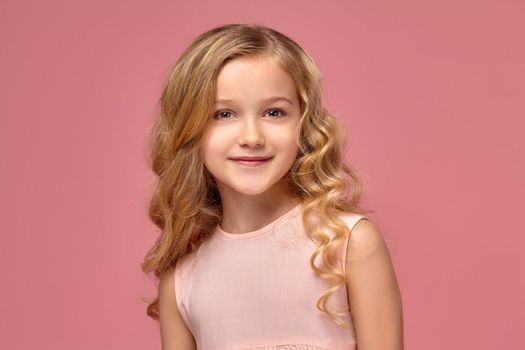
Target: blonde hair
[185, 203]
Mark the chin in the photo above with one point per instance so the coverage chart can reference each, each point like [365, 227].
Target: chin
[251, 191]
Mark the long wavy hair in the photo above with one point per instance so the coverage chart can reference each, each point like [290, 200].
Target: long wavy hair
[185, 204]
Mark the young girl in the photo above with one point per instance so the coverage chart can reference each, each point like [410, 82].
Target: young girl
[261, 247]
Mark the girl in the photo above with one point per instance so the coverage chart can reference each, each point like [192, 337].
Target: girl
[253, 204]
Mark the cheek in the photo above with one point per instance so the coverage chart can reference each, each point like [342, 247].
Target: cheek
[207, 150]
[221, 135]
[286, 139]
[212, 143]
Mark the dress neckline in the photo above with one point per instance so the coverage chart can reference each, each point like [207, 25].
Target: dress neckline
[261, 231]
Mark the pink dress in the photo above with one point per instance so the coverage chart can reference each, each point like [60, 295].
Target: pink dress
[256, 290]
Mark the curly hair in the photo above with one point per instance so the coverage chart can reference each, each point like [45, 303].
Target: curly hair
[185, 204]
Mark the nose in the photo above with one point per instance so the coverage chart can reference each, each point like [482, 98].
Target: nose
[250, 133]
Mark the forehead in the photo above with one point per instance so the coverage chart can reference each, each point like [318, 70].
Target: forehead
[254, 78]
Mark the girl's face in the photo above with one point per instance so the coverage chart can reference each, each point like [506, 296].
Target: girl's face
[256, 114]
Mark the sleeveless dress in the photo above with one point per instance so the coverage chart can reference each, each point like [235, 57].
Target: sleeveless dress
[256, 290]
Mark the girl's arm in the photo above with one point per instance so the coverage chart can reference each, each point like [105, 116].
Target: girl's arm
[174, 333]
[373, 292]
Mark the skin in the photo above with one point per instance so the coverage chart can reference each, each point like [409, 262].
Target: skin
[247, 124]
[373, 291]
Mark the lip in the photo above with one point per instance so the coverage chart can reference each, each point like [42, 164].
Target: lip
[251, 162]
[250, 158]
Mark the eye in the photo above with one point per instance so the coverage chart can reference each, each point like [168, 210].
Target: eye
[219, 114]
[274, 113]
[278, 111]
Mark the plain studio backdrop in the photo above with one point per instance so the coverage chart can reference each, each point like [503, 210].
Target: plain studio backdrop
[432, 97]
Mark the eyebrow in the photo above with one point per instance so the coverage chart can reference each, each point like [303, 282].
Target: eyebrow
[270, 99]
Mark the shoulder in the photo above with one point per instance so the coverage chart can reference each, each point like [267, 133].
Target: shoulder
[166, 295]
[366, 238]
[373, 292]
[167, 284]
[175, 334]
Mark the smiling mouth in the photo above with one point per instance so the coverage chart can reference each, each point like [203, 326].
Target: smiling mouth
[251, 163]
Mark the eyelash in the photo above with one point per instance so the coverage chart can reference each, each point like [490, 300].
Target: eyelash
[273, 109]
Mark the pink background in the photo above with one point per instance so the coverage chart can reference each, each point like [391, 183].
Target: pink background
[432, 94]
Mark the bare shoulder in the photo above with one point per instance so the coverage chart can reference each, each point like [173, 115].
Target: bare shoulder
[366, 239]
[373, 292]
[175, 335]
